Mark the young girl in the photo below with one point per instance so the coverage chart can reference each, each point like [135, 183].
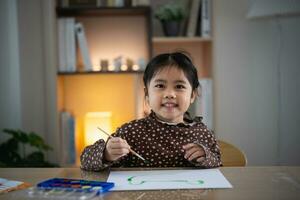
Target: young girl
[168, 137]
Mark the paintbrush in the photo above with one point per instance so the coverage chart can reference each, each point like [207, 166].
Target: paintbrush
[132, 151]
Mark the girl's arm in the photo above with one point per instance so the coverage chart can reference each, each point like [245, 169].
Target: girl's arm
[204, 152]
[92, 157]
[212, 157]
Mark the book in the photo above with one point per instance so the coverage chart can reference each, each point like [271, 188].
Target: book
[72, 149]
[193, 18]
[204, 106]
[199, 21]
[62, 65]
[67, 131]
[206, 18]
[83, 47]
[140, 2]
[66, 45]
[70, 44]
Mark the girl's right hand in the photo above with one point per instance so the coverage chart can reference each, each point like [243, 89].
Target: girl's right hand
[116, 148]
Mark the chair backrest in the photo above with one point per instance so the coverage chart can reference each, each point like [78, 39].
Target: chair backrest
[231, 156]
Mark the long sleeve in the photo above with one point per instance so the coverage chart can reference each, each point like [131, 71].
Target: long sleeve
[92, 157]
[212, 151]
[161, 144]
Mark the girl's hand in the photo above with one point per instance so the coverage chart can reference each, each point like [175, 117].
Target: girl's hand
[194, 152]
[116, 148]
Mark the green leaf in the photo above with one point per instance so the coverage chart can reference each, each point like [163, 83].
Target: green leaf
[17, 134]
[10, 155]
[23, 136]
[10, 158]
[38, 142]
[13, 133]
[170, 12]
[12, 145]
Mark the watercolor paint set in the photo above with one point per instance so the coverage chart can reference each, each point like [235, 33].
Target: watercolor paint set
[64, 188]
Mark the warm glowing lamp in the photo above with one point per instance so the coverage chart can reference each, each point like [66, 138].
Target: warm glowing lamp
[135, 67]
[92, 121]
[96, 67]
[124, 67]
[111, 67]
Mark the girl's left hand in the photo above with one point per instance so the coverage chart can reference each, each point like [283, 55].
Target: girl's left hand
[194, 152]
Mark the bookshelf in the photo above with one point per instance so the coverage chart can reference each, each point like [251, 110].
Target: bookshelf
[110, 32]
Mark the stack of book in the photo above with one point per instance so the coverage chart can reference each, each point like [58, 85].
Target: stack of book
[68, 29]
[199, 21]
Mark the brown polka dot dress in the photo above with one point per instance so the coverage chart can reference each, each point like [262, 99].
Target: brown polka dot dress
[158, 142]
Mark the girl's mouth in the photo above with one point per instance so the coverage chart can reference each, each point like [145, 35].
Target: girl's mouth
[169, 105]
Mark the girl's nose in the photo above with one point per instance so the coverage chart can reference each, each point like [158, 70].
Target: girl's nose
[170, 94]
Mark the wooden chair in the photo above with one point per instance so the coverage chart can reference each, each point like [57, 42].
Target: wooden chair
[231, 156]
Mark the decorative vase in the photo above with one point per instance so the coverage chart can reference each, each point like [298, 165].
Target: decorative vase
[171, 28]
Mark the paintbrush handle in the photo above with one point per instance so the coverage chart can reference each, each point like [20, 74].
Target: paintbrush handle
[132, 151]
[136, 154]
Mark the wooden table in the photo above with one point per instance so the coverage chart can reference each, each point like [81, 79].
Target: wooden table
[248, 183]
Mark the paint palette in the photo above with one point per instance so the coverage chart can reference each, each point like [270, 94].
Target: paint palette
[63, 188]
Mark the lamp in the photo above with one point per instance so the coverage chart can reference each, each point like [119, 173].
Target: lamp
[93, 120]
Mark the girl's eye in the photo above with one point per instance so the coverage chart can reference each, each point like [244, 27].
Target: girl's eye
[159, 86]
[180, 86]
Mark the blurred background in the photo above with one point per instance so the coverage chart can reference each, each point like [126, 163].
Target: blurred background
[68, 66]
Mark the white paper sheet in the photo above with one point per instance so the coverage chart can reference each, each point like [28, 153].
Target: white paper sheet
[168, 179]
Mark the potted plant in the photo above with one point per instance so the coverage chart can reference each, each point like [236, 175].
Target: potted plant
[170, 16]
[13, 151]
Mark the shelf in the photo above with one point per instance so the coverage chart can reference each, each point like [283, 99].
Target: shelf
[109, 22]
[102, 11]
[99, 72]
[179, 39]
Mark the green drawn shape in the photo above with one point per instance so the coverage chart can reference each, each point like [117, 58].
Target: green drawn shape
[197, 182]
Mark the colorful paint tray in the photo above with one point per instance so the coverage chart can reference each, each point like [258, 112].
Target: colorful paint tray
[77, 185]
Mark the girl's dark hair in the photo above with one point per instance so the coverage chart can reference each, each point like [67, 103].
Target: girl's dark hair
[176, 59]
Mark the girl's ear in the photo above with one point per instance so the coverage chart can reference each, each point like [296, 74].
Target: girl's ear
[145, 91]
[193, 96]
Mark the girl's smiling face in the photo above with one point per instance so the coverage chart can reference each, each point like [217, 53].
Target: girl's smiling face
[170, 94]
